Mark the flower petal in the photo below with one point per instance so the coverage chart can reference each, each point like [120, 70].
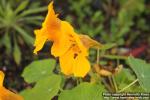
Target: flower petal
[8, 95]
[80, 45]
[1, 78]
[66, 63]
[81, 66]
[74, 64]
[62, 40]
[51, 21]
[41, 38]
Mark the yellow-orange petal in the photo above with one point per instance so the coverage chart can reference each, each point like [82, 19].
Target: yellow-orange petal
[67, 28]
[66, 63]
[1, 78]
[41, 37]
[60, 47]
[83, 49]
[8, 95]
[81, 66]
[51, 21]
[72, 63]
[62, 40]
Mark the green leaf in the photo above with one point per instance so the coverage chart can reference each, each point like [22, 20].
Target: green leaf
[84, 91]
[17, 53]
[22, 6]
[28, 39]
[124, 78]
[31, 18]
[7, 42]
[127, 11]
[38, 69]
[25, 93]
[33, 11]
[45, 89]
[34, 22]
[107, 46]
[141, 69]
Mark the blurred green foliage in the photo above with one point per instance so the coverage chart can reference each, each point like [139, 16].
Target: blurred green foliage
[87, 21]
[121, 22]
[17, 22]
[121, 14]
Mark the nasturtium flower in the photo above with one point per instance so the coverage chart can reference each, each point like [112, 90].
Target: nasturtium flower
[66, 44]
[6, 94]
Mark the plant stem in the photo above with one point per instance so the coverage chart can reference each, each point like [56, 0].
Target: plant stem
[115, 57]
[97, 59]
[111, 83]
[107, 86]
[129, 85]
[80, 80]
[114, 82]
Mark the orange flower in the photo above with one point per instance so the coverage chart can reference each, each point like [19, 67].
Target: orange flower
[6, 94]
[66, 44]
[53, 29]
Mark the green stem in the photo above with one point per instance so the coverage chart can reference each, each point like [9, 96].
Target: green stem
[107, 86]
[78, 80]
[129, 85]
[98, 56]
[114, 82]
[111, 83]
[115, 57]
[113, 78]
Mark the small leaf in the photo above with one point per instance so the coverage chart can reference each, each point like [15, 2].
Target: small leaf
[84, 91]
[90, 43]
[45, 89]
[16, 53]
[33, 11]
[28, 39]
[124, 78]
[107, 46]
[22, 6]
[7, 42]
[38, 69]
[141, 69]
[32, 18]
